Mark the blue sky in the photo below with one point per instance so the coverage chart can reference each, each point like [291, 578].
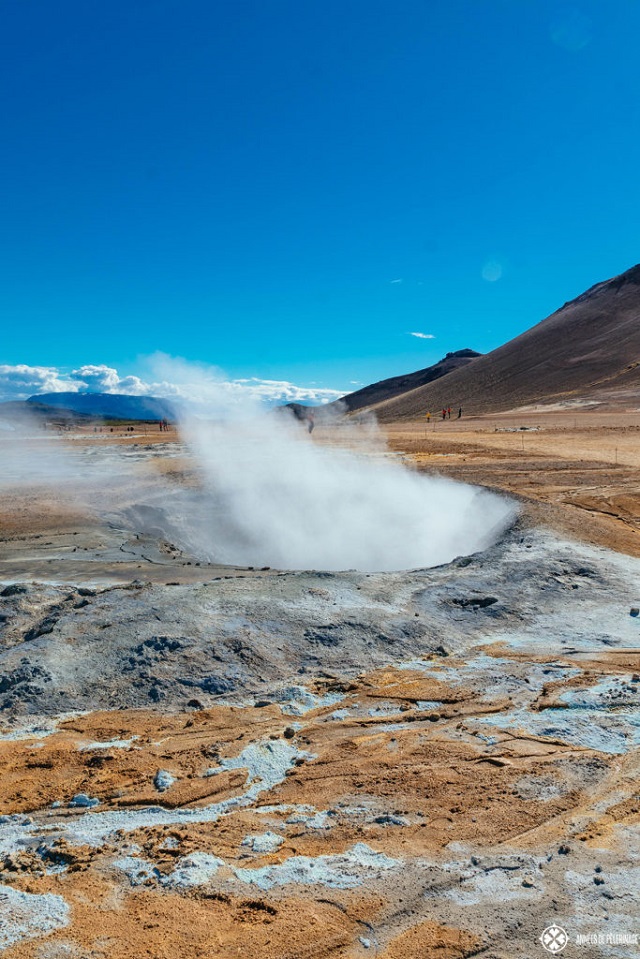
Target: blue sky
[288, 190]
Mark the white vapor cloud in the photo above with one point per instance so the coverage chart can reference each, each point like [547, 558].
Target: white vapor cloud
[423, 336]
[271, 495]
[399, 280]
[265, 492]
[21, 381]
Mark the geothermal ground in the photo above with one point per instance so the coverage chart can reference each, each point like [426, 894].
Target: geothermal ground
[203, 760]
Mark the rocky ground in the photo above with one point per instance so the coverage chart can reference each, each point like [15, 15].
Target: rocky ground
[202, 760]
[575, 470]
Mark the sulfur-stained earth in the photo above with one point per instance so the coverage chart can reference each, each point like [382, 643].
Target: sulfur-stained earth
[211, 761]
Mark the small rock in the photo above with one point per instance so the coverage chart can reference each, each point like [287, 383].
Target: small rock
[634, 611]
[598, 880]
[289, 733]
[365, 942]
[170, 843]
[564, 850]
[82, 801]
[13, 590]
[388, 820]
[264, 843]
[163, 780]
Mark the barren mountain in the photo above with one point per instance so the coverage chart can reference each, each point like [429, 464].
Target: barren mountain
[399, 385]
[587, 352]
[385, 389]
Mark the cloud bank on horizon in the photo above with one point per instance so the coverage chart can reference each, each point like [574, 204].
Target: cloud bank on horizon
[22, 381]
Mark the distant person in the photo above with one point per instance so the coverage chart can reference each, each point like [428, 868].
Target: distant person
[311, 421]
[449, 412]
[444, 413]
[459, 412]
[428, 417]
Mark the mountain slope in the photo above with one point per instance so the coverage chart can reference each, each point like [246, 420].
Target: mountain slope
[383, 390]
[588, 351]
[397, 385]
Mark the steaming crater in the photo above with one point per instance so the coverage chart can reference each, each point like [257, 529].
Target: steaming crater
[208, 531]
[258, 490]
[283, 501]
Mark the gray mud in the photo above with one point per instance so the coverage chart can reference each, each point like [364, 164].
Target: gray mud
[136, 623]
[65, 648]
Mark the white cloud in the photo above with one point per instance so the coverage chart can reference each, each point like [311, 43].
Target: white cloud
[399, 280]
[19, 382]
[104, 379]
[279, 391]
[194, 384]
[423, 336]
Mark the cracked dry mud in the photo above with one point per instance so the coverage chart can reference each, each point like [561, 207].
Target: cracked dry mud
[212, 761]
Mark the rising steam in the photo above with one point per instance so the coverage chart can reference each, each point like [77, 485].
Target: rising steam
[278, 498]
[269, 493]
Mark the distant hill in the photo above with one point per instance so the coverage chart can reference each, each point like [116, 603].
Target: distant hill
[21, 411]
[386, 389]
[397, 385]
[116, 406]
[587, 352]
